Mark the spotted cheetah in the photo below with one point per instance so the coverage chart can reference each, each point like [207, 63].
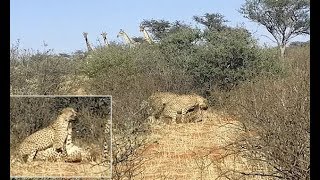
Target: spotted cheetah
[169, 105]
[50, 154]
[73, 152]
[53, 136]
[106, 144]
[156, 103]
[182, 105]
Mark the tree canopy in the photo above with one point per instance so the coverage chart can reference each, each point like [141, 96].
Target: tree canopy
[214, 21]
[284, 19]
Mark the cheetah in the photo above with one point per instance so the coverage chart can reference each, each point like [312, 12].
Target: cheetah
[156, 103]
[178, 106]
[50, 154]
[73, 152]
[184, 104]
[53, 136]
[106, 144]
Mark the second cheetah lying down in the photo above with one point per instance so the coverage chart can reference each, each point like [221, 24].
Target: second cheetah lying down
[71, 153]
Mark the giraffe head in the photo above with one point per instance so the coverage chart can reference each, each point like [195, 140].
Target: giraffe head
[121, 32]
[104, 34]
[85, 34]
[141, 28]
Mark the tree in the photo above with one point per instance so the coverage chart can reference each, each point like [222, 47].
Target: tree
[177, 26]
[138, 39]
[180, 39]
[158, 28]
[212, 22]
[284, 19]
[228, 57]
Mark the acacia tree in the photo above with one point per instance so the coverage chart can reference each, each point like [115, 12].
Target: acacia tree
[212, 22]
[284, 19]
[158, 28]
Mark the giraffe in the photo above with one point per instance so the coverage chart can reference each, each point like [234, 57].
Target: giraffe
[126, 38]
[104, 36]
[146, 35]
[85, 35]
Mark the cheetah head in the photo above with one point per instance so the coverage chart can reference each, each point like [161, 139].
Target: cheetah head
[203, 103]
[69, 114]
[145, 105]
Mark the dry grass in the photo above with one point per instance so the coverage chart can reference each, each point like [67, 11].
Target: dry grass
[194, 150]
[58, 169]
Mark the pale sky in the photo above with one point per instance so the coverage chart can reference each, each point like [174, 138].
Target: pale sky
[60, 23]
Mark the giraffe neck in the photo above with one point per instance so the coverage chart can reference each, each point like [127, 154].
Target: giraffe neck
[147, 36]
[106, 41]
[127, 38]
[88, 44]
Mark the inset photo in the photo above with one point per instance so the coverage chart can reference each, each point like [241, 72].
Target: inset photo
[60, 136]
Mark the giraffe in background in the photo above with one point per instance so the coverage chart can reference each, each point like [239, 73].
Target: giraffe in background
[146, 35]
[104, 36]
[126, 38]
[85, 35]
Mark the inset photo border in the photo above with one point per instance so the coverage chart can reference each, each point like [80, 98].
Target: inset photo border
[60, 136]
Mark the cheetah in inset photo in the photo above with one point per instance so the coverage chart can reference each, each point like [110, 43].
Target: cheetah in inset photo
[73, 152]
[59, 135]
[53, 136]
[50, 154]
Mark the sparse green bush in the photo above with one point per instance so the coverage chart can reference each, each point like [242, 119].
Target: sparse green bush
[229, 57]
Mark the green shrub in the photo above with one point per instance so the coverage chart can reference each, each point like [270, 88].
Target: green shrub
[227, 58]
